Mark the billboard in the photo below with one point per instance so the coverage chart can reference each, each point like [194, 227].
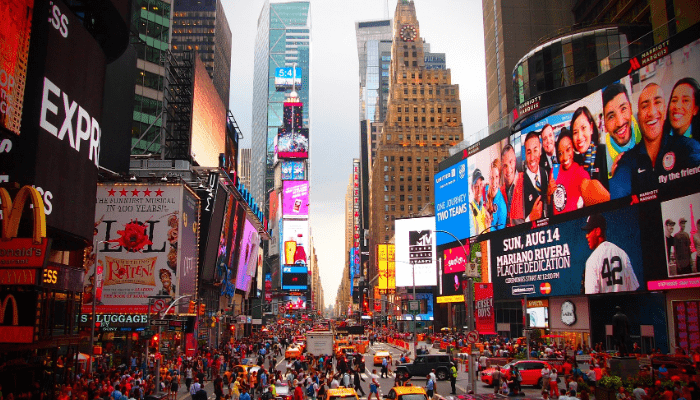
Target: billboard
[452, 202]
[274, 217]
[208, 120]
[452, 280]
[681, 235]
[294, 302]
[292, 144]
[295, 199]
[293, 170]
[222, 266]
[189, 253]
[356, 203]
[600, 253]
[484, 314]
[296, 242]
[355, 262]
[295, 278]
[288, 77]
[139, 242]
[415, 252]
[248, 256]
[425, 303]
[387, 268]
[14, 40]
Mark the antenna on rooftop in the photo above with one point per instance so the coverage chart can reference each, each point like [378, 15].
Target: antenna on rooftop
[386, 9]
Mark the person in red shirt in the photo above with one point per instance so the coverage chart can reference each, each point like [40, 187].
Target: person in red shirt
[299, 392]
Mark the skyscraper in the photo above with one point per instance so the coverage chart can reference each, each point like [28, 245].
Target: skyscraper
[423, 120]
[511, 28]
[203, 27]
[282, 41]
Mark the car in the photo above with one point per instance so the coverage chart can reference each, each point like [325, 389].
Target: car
[406, 393]
[379, 356]
[341, 393]
[358, 359]
[244, 370]
[292, 352]
[425, 363]
[344, 349]
[282, 392]
[530, 370]
[340, 342]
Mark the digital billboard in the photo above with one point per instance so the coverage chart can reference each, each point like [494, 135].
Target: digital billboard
[208, 119]
[484, 314]
[292, 144]
[222, 266]
[293, 170]
[415, 252]
[452, 202]
[681, 234]
[386, 268]
[295, 278]
[287, 77]
[139, 246]
[248, 256]
[452, 281]
[296, 242]
[14, 42]
[600, 253]
[356, 203]
[295, 199]
[189, 240]
[425, 304]
[274, 217]
[294, 302]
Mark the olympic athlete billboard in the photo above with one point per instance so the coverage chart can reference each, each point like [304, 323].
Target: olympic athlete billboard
[600, 253]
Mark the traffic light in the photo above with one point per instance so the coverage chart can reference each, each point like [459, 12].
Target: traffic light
[192, 307]
[202, 309]
[154, 340]
[213, 322]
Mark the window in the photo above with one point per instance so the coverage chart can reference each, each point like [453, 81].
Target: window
[401, 198]
[400, 188]
[414, 91]
[415, 55]
[393, 198]
[386, 198]
[405, 54]
[400, 178]
[439, 110]
[418, 178]
[398, 108]
[401, 158]
[415, 119]
[385, 159]
[386, 178]
[410, 178]
[393, 188]
[406, 109]
[403, 208]
[391, 158]
[418, 188]
[419, 198]
[401, 136]
[415, 63]
[386, 208]
[401, 168]
[405, 91]
[393, 207]
[418, 168]
[422, 120]
[386, 188]
[432, 119]
[427, 178]
[410, 188]
[410, 207]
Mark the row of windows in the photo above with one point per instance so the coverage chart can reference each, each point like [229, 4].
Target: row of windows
[157, 7]
[432, 119]
[403, 197]
[154, 30]
[438, 75]
[392, 207]
[432, 109]
[401, 177]
[147, 105]
[410, 159]
[148, 53]
[430, 91]
[149, 80]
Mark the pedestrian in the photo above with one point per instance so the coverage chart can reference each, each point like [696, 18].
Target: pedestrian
[385, 367]
[496, 378]
[195, 387]
[453, 379]
[374, 385]
[553, 385]
[545, 373]
[429, 387]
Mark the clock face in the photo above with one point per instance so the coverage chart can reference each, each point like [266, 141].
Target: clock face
[568, 313]
[408, 33]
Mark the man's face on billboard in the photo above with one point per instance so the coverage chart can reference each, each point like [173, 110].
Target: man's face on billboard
[509, 167]
[617, 116]
[548, 140]
[533, 151]
[651, 112]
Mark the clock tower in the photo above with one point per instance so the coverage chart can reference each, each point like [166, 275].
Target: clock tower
[423, 120]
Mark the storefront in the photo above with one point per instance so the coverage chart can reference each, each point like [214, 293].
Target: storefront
[569, 321]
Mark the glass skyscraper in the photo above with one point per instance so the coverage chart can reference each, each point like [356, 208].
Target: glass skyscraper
[282, 41]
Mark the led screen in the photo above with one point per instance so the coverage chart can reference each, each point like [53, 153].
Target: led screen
[294, 278]
[295, 199]
[293, 170]
[425, 303]
[415, 252]
[248, 256]
[295, 243]
[14, 42]
[208, 119]
[539, 317]
[294, 302]
[287, 77]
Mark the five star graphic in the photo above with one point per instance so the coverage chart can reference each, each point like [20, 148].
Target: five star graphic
[134, 193]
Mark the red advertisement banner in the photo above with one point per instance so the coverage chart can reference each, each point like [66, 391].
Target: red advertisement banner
[483, 309]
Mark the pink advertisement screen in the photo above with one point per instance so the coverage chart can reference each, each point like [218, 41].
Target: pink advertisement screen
[295, 199]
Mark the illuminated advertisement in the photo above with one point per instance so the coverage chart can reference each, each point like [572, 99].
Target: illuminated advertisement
[248, 256]
[356, 203]
[425, 303]
[386, 268]
[295, 199]
[452, 202]
[287, 77]
[189, 254]
[14, 42]
[293, 144]
[293, 170]
[222, 256]
[415, 252]
[138, 231]
[484, 314]
[355, 262]
[452, 280]
[600, 253]
[208, 120]
[294, 302]
[296, 241]
[295, 278]
[274, 243]
[687, 327]
[681, 234]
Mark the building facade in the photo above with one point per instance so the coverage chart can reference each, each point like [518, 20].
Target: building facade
[204, 28]
[282, 40]
[423, 120]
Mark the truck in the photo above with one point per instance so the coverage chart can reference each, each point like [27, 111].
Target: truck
[319, 342]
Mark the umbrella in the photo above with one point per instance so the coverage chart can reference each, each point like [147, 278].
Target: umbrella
[445, 329]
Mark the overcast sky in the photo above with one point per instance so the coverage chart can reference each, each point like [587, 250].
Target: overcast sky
[454, 27]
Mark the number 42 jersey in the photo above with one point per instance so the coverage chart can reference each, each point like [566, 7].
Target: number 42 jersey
[609, 270]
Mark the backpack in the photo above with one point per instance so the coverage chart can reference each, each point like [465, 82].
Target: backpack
[310, 390]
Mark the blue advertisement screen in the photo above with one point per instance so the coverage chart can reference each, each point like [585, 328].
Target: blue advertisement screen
[452, 203]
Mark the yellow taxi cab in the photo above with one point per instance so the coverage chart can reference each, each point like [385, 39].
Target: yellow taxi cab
[344, 349]
[292, 352]
[242, 370]
[340, 342]
[379, 356]
[406, 393]
[341, 393]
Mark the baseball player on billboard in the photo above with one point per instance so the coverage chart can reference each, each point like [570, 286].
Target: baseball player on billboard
[608, 268]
